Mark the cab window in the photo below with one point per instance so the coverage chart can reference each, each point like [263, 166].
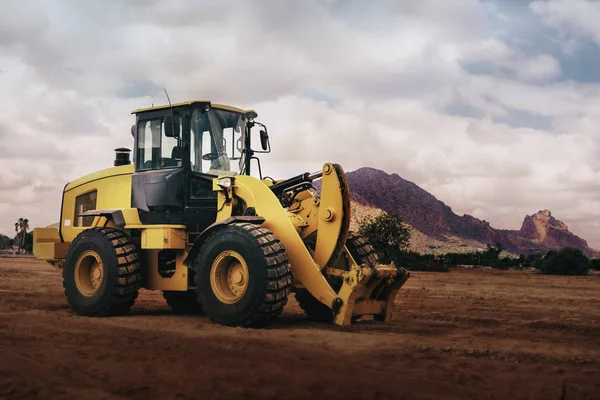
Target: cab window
[83, 203]
[155, 150]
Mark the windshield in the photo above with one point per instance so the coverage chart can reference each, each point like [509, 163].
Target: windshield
[217, 141]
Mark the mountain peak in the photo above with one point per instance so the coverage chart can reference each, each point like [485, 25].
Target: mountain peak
[543, 214]
[542, 227]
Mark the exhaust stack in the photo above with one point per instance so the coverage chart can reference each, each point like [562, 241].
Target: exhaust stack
[122, 156]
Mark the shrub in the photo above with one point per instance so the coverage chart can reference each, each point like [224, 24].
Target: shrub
[387, 233]
[5, 242]
[567, 261]
[414, 261]
[389, 236]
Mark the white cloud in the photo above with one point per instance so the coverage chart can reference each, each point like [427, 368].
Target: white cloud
[500, 57]
[574, 19]
[362, 84]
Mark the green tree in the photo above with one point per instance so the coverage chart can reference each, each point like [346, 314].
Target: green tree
[18, 234]
[568, 261]
[24, 229]
[387, 233]
[5, 242]
[28, 242]
[21, 227]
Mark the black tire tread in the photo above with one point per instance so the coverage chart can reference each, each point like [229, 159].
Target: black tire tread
[279, 272]
[361, 250]
[129, 275]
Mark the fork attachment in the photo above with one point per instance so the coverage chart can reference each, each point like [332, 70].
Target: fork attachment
[367, 290]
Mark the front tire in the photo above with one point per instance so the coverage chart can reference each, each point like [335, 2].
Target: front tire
[243, 276]
[102, 274]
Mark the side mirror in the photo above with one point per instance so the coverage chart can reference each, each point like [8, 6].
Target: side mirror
[133, 129]
[172, 126]
[264, 139]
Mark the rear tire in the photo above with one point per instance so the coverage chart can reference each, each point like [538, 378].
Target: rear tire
[183, 302]
[363, 253]
[243, 276]
[313, 307]
[102, 273]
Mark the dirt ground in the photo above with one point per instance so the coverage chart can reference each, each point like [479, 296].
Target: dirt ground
[460, 335]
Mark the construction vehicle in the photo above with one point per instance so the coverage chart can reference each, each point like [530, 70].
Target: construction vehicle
[188, 218]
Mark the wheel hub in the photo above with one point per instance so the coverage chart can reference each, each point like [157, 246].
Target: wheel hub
[238, 277]
[96, 275]
[89, 273]
[229, 277]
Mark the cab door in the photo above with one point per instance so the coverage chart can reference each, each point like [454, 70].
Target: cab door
[159, 180]
[201, 200]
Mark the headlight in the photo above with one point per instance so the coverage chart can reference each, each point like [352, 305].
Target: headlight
[225, 183]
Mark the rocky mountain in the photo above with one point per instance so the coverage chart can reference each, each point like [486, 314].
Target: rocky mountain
[543, 228]
[431, 218]
[420, 242]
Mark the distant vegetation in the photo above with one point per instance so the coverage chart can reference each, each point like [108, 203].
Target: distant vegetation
[567, 261]
[390, 237]
[23, 240]
[387, 233]
[5, 242]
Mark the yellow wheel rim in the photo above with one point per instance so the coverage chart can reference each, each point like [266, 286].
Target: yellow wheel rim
[229, 277]
[89, 273]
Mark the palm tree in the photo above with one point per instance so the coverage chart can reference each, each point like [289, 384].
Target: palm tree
[24, 228]
[18, 239]
[21, 227]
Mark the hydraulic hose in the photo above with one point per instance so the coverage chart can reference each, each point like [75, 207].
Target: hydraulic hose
[280, 187]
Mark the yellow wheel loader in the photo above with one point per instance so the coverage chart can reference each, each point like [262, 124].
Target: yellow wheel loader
[187, 218]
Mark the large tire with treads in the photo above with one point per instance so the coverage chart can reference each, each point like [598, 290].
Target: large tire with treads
[102, 273]
[362, 252]
[243, 275]
[183, 302]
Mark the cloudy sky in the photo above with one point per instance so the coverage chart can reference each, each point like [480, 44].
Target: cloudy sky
[492, 106]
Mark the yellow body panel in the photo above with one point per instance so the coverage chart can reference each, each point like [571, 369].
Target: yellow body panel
[164, 106]
[113, 186]
[105, 173]
[179, 280]
[164, 237]
[189, 103]
[131, 216]
[47, 244]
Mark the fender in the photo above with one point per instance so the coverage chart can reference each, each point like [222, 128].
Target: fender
[115, 215]
[195, 250]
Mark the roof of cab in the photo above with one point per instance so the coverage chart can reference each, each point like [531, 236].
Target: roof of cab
[189, 103]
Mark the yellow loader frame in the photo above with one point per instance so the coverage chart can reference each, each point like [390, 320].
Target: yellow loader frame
[366, 289]
[312, 229]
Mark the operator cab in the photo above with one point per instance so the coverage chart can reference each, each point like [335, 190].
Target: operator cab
[199, 136]
[179, 149]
